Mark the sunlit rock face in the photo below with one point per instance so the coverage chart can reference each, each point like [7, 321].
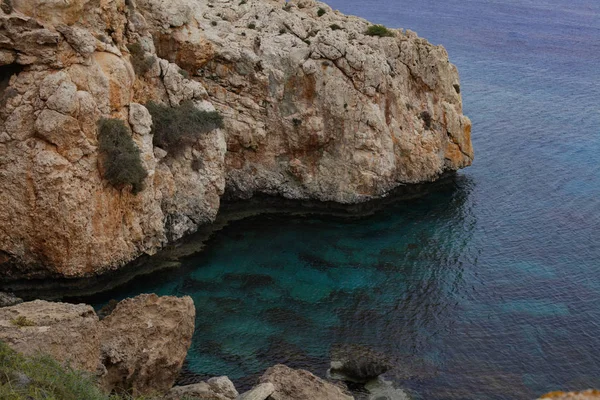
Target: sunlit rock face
[313, 109]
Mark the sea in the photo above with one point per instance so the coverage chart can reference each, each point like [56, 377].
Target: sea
[484, 286]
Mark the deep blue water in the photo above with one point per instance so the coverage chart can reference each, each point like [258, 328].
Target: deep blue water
[486, 288]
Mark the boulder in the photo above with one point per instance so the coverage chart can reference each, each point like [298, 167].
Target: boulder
[68, 332]
[259, 392]
[298, 384]
[139, 348]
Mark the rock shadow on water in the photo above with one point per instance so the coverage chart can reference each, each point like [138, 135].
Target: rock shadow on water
[316, 262]
[286, 318]
[249, 281]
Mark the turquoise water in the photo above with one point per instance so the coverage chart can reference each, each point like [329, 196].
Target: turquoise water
[486, 287]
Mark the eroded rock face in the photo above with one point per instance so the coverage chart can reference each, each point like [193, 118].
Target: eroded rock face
[310, 113]
[139, 348]
[298, 384]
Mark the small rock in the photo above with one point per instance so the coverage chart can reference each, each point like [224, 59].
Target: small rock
[380, 389]
[20, 380]
[9, 299]
[298, 384]
[358, 364]
[260, 392]
[224, 386]
[200, 390]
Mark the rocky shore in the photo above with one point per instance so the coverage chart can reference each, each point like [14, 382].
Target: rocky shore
[315, 105]
[139, 347]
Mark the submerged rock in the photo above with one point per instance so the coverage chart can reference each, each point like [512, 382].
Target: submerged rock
[310, 112]
[298, 384]
[138, 348]
[358, 363]
[384, 390]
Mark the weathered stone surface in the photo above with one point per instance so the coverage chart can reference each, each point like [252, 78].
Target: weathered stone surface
[219, 388]
[584, 395]
[259, 392]
[310, 113]
[68, 332]
[139, 347]
[298, 384]
[145, 341]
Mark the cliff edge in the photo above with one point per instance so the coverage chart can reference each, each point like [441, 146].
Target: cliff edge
[315, 105]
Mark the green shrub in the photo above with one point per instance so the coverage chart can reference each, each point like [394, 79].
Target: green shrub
[378, 30]
[335, 27]
[120, 156]
[282, 31]
[213, 23]
[174, 128]
[287, 7]
[251, 25]
[242, 2]
[140, 61]
[321, 12]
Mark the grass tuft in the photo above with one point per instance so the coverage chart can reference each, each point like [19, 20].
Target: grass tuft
[22, 321]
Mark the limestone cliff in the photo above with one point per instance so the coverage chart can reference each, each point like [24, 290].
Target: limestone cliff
[314, 109]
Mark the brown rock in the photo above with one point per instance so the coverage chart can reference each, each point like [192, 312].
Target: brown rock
[145, 341]
[590, 394]
[298, 384]
[138, 348]
[68, 332]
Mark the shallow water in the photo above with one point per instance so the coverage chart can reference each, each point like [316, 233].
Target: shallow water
[486, 288]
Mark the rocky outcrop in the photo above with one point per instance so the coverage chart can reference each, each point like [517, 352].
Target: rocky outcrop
[298, 384]
[590, 394]
[313, 109]
[139, 348]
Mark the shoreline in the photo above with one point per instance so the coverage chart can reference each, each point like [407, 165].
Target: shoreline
[82, 289]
